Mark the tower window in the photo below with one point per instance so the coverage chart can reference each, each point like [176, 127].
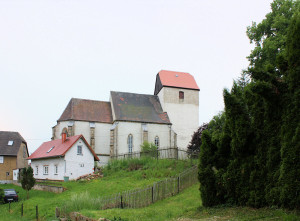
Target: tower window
[181, 95]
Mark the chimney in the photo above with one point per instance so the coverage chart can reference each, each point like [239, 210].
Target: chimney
[63, 137]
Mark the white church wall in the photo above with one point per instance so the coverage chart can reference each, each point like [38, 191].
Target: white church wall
[183, 114]
[160, 130]
[124, 129]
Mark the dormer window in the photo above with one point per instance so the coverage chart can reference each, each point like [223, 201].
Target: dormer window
[181, 95]
[10, 143]
[50, 149]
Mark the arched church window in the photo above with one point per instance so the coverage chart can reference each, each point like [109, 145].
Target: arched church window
[156, 141]
[181, 95]
[130, 141]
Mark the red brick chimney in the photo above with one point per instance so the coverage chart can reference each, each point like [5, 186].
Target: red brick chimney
[63, 137]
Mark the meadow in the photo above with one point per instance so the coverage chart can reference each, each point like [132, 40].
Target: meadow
[132, 174]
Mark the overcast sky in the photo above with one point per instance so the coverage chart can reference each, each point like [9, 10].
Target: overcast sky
[51, 51]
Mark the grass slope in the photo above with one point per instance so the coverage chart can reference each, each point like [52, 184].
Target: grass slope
[186, 207]
[118, 176]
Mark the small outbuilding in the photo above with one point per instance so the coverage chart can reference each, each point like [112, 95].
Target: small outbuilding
[61, 159]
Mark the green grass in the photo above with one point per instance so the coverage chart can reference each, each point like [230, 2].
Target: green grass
[131, 174]
[118, 176]
[186, 207]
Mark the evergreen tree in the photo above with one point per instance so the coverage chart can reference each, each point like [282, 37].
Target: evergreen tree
[27, 179]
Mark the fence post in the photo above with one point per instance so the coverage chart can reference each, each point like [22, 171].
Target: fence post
[152, 195]
[22, 209]
[37, 212]
[157, 154]
[9, 207]
[178, 184]
[122, 202]
[57, 212]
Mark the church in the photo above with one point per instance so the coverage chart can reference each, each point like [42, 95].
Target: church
[120, 126]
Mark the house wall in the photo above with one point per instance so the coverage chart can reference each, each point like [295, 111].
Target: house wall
[78, 165]
[102, 136]
[51, 162]
[72, 165]
[22, 156]
[8, 165]
[135, 128]
[183, 114]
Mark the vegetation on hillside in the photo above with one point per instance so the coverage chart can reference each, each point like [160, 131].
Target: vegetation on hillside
[250, 152]
[119, 176]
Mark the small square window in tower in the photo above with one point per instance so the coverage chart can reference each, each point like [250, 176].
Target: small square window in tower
[181, 95]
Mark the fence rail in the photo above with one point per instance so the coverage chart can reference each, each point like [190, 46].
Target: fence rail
[143, 197]
[161, 153]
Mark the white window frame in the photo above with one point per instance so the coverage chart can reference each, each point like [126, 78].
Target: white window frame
[1, 159]
[46, 169]
[130, 143]
[79, 150]
[36, 170]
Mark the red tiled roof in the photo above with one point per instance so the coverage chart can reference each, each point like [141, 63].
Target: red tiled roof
[177, 79]
[59, 149]
[87, 110]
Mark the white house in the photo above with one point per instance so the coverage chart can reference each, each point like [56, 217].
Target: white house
[69, 157]
[168, 118]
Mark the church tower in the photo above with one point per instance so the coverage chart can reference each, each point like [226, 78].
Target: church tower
[178, 93]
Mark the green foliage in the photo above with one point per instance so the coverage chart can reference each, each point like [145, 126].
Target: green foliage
[149, 150]
[252, 156]
[27, 179]
[194, 145]
[1, 196]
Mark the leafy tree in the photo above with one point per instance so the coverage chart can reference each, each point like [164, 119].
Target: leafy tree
[149, 149]
[27, 179]
[194, 145]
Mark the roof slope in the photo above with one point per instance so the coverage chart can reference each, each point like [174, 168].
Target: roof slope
[174, 79]
[59, 148]
[87, 110]
[6, 149]
[138, 108]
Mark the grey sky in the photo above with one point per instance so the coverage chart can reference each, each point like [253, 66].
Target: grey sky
[51, 51]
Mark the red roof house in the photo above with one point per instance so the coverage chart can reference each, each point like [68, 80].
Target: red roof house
[70, 157]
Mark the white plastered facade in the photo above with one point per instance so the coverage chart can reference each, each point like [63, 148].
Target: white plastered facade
[71, 165]
[183, 113]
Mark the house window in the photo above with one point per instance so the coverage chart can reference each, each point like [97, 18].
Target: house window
[10, 143]
[55, 169]
[45, 170]
[1, 159]
[129, 141]
[79, 150]
[36, 170]
[181, 95]
[156, 141]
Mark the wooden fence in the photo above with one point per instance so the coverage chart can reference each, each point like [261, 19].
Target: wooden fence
[138, 198]
[161, 153]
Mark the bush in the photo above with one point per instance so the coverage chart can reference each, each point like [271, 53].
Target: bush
[1, 196]
[149, 150]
